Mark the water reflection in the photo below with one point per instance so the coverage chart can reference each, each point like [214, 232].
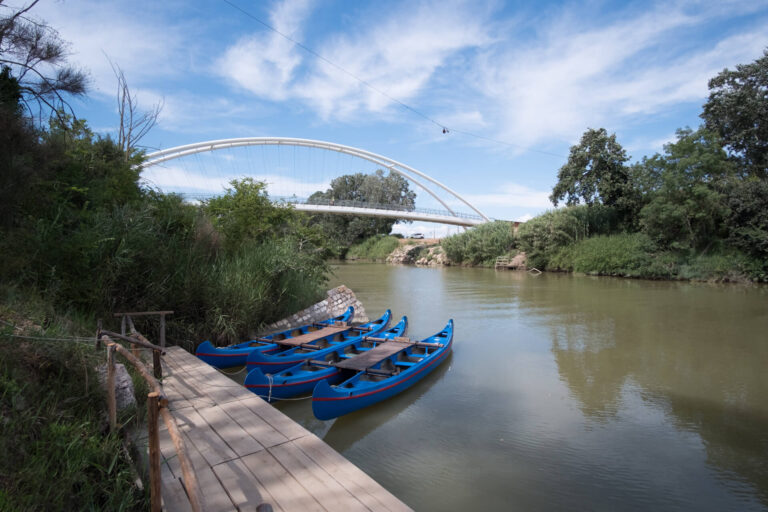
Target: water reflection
[349, 429]
[681, 349]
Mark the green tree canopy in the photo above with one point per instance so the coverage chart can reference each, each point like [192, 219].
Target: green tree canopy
[596, 174]
[737, 109]
[245, 213]
[689, 208]
[391, 190]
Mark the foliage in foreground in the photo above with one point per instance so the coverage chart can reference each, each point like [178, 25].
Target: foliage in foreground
[375, 248]
[57, 454]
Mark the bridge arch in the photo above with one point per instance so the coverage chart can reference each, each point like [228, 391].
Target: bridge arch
[159, 157]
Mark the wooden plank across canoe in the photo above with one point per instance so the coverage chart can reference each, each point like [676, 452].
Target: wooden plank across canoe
[369, 358]
[311, 336]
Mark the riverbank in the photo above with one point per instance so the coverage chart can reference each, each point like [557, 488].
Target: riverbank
[620, 255]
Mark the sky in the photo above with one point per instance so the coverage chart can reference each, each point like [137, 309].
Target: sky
[515, 83]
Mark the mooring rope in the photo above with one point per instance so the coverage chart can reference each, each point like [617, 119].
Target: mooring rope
[241, 370]
[79, 339]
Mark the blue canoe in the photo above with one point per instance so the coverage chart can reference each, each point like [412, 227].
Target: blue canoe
[303, 377]
[235, 355]
[313, 346]
[381, 373]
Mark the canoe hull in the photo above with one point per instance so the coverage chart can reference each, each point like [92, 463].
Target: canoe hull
[282, 360]
[237, 355]
[272, 389]
[331, 402]
[301, 379]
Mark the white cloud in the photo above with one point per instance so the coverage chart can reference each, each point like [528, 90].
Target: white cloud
[143, 45]
[397, 55]
[571, 78]
[511, 195]
[173, 178]
[264, 63]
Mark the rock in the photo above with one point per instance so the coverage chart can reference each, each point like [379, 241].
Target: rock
[339, 299]
[519, 261]
[405, 254]
[435, 256]
[124, 394]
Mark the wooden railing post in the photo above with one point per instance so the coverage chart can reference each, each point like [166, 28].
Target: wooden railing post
[123, 325]
[158, 368]
[153, 410]
[162, 330]
[111, 399]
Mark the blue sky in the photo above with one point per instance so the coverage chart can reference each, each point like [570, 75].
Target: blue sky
[534, 75]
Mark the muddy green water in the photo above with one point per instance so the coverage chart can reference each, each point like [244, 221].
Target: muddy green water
[567, 393]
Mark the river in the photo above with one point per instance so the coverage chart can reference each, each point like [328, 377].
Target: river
[567, 393]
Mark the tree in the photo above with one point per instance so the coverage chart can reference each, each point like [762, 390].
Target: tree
[391, 190]
[245, 213]
[737, 109]
[689, 208]
[36, 56]
[134, 124]
[596, 174]
[748, 219]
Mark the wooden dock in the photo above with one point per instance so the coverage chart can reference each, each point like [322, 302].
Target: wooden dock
[245, 452]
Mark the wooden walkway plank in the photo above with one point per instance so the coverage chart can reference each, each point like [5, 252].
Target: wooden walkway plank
[327, 491]
[239, 485]
[350, 476]
[245, 452]
[262, 431]
[230, 431]
[286, 491]
[277, 419]
[205, 439]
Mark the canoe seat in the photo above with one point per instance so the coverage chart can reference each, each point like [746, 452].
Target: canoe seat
[311, 336]
[371, 357]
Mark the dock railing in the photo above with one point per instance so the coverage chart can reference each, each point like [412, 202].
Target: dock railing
[157, 405]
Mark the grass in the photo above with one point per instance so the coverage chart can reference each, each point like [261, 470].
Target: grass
[376, 248]
[57, 453]
[635, 255]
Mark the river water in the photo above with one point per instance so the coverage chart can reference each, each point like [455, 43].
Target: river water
[567, 393]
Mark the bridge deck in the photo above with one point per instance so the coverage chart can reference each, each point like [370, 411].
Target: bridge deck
[246, 452]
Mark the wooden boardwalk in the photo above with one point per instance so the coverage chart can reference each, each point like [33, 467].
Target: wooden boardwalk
[246, 452]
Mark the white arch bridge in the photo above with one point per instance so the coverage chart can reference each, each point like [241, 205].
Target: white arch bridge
[434, 188]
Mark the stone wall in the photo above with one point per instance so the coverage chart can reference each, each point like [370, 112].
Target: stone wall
[339, 299]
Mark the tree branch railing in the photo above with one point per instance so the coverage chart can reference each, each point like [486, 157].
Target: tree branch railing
[157, 405]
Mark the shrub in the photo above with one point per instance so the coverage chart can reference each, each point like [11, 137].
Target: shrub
[480, 245]
[543, 236]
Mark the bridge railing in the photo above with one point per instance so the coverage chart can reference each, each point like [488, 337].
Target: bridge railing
[373, 206]
[351, 204]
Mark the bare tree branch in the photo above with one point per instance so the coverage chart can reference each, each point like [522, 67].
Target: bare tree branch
[134, 124]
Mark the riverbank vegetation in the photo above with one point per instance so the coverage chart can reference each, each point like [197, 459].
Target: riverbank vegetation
[698, 210]
[481, 245]
[80, 238]
[375, 248]
[57, 453]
